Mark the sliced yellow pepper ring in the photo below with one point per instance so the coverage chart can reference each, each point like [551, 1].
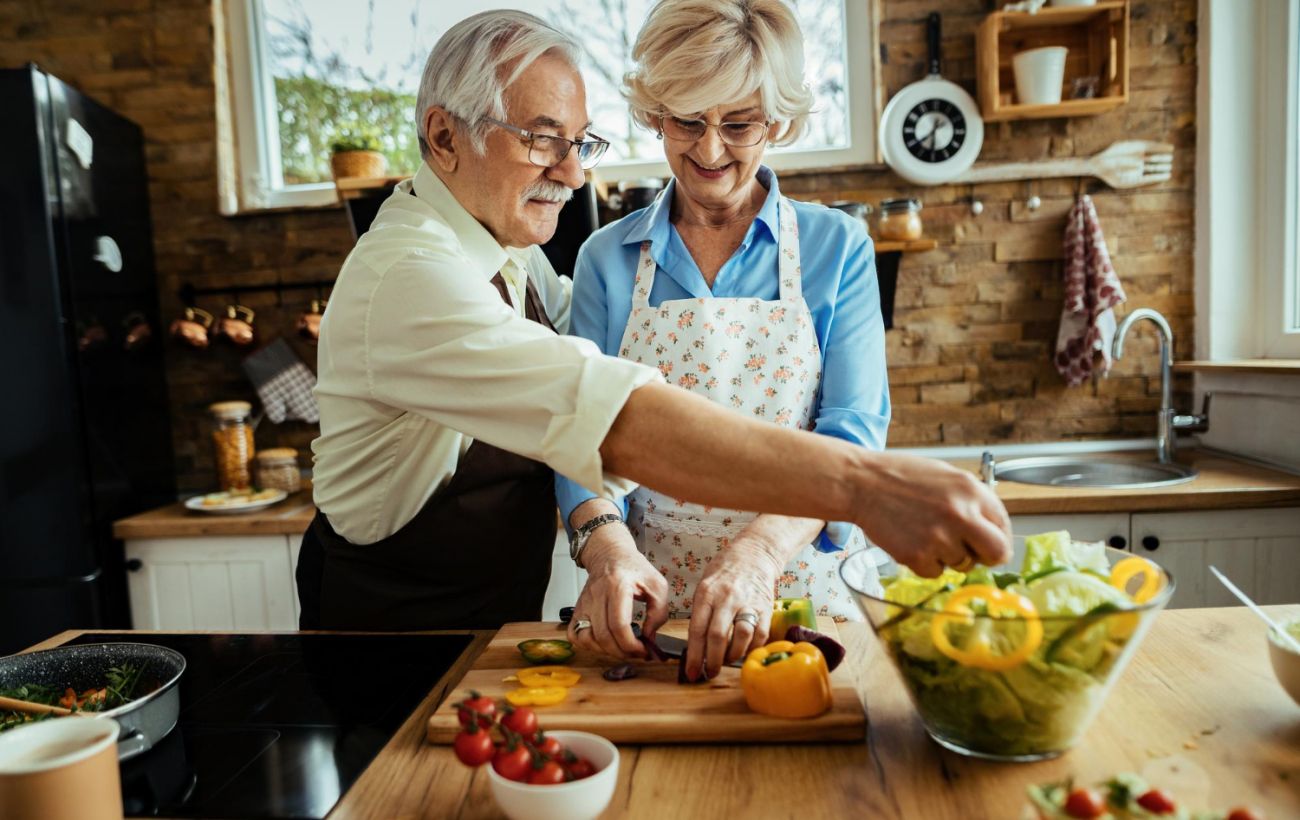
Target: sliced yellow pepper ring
[1153, 580]
[537, 695]
[979, 652]
[548, 676]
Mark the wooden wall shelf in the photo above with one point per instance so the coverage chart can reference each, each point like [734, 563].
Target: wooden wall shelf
[354, 187]
[1278, 367]
[910, 246]
[1097, 39]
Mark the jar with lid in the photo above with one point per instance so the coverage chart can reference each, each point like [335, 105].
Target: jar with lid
[232, 441]
[857, 210]
[900, 220]
[277, 469]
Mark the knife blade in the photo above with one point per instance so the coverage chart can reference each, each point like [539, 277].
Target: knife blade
[676, 647]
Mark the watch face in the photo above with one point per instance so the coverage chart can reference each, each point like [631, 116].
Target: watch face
[934, 130]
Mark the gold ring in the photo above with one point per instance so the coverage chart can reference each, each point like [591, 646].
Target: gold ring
[965, 564]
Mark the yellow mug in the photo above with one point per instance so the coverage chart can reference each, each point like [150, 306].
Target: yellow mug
[61, 769]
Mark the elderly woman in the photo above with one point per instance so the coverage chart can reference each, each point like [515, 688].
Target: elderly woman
[738, 294]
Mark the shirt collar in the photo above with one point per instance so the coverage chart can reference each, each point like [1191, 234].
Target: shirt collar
[652, 223]
[484, 252]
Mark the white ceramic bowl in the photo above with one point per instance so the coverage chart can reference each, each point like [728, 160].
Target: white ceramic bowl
[580, 800]
[1286, 663]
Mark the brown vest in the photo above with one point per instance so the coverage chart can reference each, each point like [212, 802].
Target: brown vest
[476, 556]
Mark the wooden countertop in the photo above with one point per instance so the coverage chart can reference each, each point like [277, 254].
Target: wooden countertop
[1200, 695]
[290, 517]
[1224, 483]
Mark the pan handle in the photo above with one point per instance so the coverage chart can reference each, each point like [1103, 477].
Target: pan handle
[131, 744]
[932, 40]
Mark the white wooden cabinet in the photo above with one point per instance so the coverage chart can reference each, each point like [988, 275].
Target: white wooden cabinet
[1258, 549]
[566, 579]
[210, 582]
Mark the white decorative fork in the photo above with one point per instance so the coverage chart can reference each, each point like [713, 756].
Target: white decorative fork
[1126, 164]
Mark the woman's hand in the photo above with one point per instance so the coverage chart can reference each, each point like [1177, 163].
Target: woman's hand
[740, 580]
[617, 575]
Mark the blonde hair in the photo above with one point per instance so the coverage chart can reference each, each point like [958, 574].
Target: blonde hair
[693, 55]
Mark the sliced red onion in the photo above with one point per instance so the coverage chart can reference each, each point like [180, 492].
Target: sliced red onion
[620, 672]
[832, 649]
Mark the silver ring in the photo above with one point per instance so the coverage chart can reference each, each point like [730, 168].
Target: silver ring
[748, 617]
[581, 624]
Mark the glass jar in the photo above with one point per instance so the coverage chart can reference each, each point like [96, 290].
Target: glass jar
[900, 220]
[857, 210]
[277, 469]
[232, 441]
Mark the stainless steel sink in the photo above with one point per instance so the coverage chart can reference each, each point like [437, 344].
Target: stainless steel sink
[1066, 471]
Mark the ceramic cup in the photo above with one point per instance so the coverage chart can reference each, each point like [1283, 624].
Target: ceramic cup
[1040, 73]
[60, 769]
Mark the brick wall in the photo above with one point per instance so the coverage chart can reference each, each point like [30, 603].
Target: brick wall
[975, 319]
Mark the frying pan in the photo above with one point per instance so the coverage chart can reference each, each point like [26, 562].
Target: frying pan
[145, 720]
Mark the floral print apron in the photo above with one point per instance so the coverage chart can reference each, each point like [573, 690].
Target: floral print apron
[756, 357]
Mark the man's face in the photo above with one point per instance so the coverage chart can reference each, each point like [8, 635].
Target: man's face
[517, 201]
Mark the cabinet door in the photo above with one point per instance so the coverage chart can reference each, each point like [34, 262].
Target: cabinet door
[1113, 528]
[566, 579]
[1259, 550]
[243, 583]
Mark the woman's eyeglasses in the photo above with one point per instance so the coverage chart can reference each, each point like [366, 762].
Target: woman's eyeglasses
[741, 134]
[548, 150]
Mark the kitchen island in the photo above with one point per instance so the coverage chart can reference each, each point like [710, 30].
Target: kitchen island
[1200, 696]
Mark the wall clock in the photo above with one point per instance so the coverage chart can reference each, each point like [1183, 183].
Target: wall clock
[931, 131]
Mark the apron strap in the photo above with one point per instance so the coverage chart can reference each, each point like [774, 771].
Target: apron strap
[645, 277]
[787, 252]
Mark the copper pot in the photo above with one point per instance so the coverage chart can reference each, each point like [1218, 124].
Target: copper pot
[192, 328]
[237, 325]
[309, 322]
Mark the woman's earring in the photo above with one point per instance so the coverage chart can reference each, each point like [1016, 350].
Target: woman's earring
[659, 135]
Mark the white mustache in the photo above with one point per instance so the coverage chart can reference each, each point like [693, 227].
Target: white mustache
[549, 191]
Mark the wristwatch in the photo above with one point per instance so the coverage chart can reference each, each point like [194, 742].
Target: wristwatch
[582, 534]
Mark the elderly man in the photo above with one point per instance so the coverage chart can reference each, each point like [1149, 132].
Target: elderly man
[448, 395]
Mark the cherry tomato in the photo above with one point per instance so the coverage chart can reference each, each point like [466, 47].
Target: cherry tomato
[474, 748]
[1157, 802]
[548, 774]
[548, 746]
[521, 720]
[485, 706]
[1244, 813]
[581, 768]
[1084, 803]
[513, 764]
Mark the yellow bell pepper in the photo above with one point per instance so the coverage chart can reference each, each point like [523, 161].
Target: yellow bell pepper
[978, 652]
[1153, 579]
[537, 695]
[788, 612]
[786, 680]
[548, 676]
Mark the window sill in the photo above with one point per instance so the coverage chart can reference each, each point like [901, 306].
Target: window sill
[1278, 367]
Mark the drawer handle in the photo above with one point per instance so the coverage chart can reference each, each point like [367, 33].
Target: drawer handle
[134, 565]
[1151, 543]
[1118, 542]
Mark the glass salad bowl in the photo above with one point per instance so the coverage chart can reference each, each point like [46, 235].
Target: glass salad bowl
[1012, 662]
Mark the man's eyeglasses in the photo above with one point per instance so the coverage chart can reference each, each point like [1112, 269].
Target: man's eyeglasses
[548, 150]
[736, 134]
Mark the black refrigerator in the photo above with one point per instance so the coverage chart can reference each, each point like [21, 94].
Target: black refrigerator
[85, 436]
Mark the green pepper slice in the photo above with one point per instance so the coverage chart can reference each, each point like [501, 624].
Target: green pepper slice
[549, 650]
[788, 612]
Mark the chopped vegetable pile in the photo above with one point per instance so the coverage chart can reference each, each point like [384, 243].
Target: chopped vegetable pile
[1123, 797]
[1010, 663]
[121, 685]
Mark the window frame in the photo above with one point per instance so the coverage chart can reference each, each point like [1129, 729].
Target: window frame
[254, 156]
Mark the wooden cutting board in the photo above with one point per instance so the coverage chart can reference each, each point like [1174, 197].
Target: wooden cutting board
[653, 707]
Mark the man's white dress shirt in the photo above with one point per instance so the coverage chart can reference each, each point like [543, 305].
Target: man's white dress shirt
[419, 356]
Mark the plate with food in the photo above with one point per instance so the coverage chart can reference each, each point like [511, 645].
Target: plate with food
[235, 501]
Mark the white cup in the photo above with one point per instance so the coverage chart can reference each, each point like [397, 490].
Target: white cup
[1040, 73]
[61, 769]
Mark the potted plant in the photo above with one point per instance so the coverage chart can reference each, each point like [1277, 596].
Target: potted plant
[355, 152]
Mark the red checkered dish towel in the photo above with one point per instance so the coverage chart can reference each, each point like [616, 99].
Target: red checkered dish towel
[1091, 291]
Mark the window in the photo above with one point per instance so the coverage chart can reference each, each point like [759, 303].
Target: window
[305, 74]
[1280, 181]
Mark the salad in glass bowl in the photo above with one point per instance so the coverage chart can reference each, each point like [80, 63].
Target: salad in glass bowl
[1012, 662]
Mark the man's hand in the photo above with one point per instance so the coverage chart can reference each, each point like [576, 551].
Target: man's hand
[928, 514]
[741, 579]
[617, 575]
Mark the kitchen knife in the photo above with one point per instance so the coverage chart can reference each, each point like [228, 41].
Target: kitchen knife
[676, 647]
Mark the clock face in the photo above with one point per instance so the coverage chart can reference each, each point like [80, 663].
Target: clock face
[934, 130]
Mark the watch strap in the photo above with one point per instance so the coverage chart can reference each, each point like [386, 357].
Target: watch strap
[582, 534]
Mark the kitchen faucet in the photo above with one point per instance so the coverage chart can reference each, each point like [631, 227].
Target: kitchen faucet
[1167, 424]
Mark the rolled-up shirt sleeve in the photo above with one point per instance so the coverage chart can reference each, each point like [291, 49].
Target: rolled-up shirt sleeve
[440, 342]
[854, 404]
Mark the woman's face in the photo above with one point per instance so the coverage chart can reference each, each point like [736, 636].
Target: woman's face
[709, 171]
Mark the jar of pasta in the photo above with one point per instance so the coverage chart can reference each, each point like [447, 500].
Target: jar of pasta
[277, 468]
[232, 441]
[900, 220]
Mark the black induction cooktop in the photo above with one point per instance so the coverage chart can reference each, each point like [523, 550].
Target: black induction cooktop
[279, 726]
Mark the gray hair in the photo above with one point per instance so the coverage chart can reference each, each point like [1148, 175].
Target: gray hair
[471, 66]
[693, 55]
